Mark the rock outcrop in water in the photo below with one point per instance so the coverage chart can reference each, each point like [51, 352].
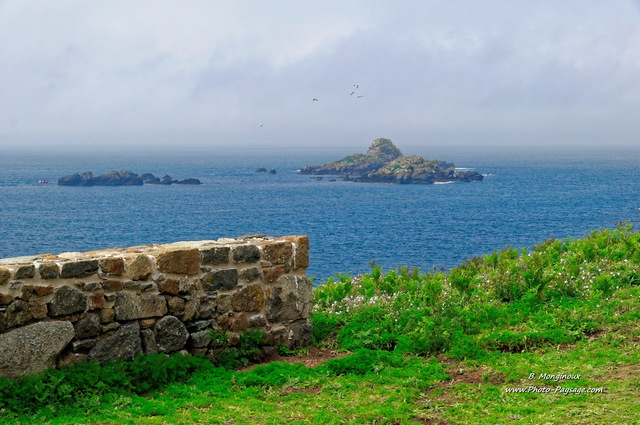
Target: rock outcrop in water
[119, 178]
[384, 163]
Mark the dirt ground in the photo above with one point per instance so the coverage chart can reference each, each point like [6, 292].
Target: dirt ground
[315, 357]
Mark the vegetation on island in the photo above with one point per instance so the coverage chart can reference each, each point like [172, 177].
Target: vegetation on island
[384, 163]
[549, 334]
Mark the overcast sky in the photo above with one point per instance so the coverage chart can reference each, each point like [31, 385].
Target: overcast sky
[244, 73]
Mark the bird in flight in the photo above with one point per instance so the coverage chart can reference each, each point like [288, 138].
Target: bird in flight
[360, 96]
[315, 100]
[355, 86]
[351, 94]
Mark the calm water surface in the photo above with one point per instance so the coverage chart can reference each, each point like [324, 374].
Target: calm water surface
[527, 196]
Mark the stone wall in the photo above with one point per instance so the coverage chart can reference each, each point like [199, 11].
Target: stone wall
[118, 303]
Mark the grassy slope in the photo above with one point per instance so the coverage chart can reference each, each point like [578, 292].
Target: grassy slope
[435, 348]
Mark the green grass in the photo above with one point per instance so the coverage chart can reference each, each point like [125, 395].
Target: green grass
[422, 347]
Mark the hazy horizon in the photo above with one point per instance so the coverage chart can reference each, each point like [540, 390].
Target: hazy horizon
[213, 75]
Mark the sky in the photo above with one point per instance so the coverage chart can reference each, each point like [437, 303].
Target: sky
[208, 73]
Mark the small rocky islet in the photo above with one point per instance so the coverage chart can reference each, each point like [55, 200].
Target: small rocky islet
[384, 163]
[120, 178]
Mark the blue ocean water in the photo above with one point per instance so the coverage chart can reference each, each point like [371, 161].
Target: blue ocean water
[526, 197]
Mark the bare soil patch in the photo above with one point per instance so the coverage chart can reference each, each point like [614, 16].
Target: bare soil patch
[314, 358]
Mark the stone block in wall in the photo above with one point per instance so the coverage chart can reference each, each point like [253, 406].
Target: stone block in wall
[272, 274]
[199, 325]
[222, 321]
[42, 290]
[78, 269]
[38, 309]
[169, 286]
[279, 252]
[107, 315]
[112, 285]
[88, 326]
[239, 322]
[26, 292]
[96, 300]
[170, 334]
[140, 268]
[112, 265]
[112, 326]
[297, 334]
[179, 261]
[249, 298]
[216, 255]
[187, 286]
[5, 299]
[148, 341]
[175, 306]
[302, 334]
[18, 313]
[124, 344]
[49, 271]
[200, 339]
[301, 256]
[257, 321]
[66, 301]
[131, 306]
[224, 303]
[33, 348]
[206, 310]
[146, 323]
[250, 274]
[132, 284]
[217, 280]
[246, 254]
[5, 275]
[290, 299]
[276, 335]
[26, 272]
[149, 287]
[90, 286]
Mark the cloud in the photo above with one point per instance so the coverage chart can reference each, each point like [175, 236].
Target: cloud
[160, 72]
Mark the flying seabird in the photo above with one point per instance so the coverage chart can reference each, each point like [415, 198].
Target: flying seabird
[315, 100]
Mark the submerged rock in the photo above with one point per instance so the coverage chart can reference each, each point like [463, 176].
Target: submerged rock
[189, 181]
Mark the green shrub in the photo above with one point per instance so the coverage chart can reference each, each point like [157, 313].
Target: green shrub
[246, 352]
[76, 385]
[275, 374]
[510, 300]
[325, 326]
[363, 362]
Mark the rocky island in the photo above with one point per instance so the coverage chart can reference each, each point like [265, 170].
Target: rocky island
[384, 163]
[119, 178]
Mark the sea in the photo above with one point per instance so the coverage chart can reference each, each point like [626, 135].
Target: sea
[527, 196]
